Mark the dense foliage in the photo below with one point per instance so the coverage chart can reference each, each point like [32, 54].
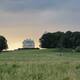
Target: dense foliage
[60, 40]
[3, 43]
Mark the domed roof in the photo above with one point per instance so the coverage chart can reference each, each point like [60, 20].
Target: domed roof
[28, 43]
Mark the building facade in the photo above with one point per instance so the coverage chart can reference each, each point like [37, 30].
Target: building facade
[28, 43]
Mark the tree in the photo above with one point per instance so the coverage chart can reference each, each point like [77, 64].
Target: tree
[51, 40]
[60, 40]
[45, 40]
[67, 40]
[76, 39]
[3, 43]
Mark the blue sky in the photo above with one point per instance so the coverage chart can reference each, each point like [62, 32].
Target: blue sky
[20, 19]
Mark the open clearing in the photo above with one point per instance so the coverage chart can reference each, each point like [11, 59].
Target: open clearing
[39, 65]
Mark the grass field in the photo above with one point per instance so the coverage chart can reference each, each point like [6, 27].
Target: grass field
[39, 65]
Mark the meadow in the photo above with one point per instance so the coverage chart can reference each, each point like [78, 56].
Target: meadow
[46, 64]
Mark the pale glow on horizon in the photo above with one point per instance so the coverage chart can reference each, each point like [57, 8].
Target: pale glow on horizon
[17, 45]
[16, 35]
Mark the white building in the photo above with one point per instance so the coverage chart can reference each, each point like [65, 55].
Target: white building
[28, 43]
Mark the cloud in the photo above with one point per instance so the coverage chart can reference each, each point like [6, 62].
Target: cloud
[40, 12]
[23, 5]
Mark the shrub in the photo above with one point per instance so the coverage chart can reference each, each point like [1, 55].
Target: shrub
[77, 49]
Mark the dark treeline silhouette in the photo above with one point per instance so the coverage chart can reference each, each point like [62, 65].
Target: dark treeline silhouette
[60, 40]
[3, 43]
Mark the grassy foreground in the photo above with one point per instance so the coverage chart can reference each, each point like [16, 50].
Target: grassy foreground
[39, 65]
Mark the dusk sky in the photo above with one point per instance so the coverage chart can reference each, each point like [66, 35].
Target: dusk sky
[21, 19]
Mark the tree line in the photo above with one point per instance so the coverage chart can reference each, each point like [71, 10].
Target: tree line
[60, 40]
[3, 43]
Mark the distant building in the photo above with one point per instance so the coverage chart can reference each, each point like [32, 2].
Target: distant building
[28, 43]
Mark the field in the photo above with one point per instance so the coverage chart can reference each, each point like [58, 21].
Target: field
[46, 64]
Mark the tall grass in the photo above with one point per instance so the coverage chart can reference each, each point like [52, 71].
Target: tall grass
[54, 71]
[39, 65]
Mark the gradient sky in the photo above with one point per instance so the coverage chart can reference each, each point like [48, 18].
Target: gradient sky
[21, 19]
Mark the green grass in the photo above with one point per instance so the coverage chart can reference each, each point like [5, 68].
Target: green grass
[46, 64]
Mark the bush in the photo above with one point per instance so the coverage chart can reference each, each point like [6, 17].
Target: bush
[77, 49]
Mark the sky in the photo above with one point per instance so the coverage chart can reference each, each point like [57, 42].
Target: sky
[21, 19]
